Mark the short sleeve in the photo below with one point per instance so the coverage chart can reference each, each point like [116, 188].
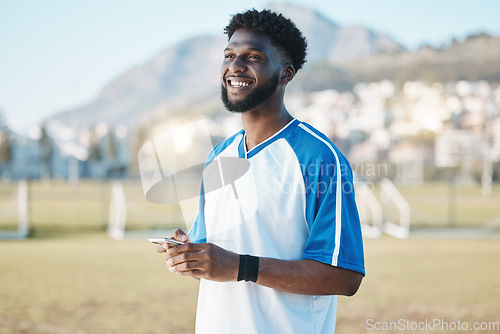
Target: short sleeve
[335, 234]
[335, 230]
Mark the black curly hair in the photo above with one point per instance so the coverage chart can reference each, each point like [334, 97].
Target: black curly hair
[283, 32]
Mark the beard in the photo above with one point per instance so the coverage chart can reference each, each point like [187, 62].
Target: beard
[255, 98]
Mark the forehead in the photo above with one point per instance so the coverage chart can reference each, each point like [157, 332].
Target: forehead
[251, 39]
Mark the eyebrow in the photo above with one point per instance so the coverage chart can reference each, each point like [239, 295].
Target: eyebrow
[251, 48]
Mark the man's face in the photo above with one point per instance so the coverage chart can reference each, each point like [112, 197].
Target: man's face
[250, 72]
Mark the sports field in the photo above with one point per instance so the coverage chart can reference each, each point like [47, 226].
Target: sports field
[70, 277]
[91, 284]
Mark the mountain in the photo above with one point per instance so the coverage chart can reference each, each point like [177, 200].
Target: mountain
[186, 76]
[328, 42]
[474, 59]
[175, 78]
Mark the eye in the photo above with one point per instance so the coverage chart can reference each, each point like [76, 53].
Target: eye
[228, 56]
[254, 57]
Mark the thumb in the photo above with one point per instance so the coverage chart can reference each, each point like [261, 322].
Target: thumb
[180, 235]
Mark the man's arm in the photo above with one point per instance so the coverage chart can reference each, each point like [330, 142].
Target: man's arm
[307, 277]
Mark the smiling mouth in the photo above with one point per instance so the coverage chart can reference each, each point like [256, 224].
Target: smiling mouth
[234, 82]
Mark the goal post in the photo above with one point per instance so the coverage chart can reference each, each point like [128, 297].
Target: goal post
[391, 197]
[131, 217]
[370, 211]
[21, 202]
[117, 212]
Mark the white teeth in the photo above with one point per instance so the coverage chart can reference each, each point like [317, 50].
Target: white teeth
[239, 84]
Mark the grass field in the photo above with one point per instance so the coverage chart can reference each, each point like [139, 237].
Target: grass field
[58, 208]
[70, 277]
[91, 284]
[438, 205]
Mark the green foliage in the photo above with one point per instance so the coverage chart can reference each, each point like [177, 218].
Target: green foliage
[5, 147]
[95, 146]
[5, 143]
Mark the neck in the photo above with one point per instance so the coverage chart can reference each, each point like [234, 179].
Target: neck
[262, 123]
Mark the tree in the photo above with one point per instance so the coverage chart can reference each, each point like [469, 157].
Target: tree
[5, 148]
[112, 154]
[94, 146]
[95, 154]
[46, 152]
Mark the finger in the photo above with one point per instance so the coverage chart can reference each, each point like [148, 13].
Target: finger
[193, 273]
[161, 248]
[184, 257]
[180, 235]
[185, 266]
[179, 249]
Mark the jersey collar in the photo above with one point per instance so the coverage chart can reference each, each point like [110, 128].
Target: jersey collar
[242, 152]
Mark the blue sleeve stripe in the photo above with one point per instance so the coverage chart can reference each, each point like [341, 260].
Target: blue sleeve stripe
[198, 229]
[221, 147]
[338, 191]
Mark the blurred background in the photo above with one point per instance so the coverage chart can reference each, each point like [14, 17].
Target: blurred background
[409, 92]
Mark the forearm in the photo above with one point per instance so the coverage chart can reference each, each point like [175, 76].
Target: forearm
[307, 277]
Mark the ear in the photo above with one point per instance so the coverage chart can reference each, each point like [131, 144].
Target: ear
[288, 74]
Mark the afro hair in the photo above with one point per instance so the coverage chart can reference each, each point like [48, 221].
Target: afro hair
[283, 32]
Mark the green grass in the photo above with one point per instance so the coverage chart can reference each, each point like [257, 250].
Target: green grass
[92, 284]
[430, 205]
[69, 277]
[418, 279]
[58, 208]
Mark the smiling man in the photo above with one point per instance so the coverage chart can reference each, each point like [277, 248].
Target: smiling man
[274, 258]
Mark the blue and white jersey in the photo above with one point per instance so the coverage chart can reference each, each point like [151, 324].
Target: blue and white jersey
[295, 202]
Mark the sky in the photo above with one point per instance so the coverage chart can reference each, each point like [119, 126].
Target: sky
[58, 54]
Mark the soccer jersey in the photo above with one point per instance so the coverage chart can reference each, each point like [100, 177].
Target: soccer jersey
[296, 201]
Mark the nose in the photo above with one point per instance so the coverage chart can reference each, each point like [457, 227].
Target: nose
[237, 65]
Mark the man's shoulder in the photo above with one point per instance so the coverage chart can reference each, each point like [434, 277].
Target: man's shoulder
[308, 141]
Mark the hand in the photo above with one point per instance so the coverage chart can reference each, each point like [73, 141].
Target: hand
[204, 260]
[179, 235]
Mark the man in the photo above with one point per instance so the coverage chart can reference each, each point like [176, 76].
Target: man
[272, 259]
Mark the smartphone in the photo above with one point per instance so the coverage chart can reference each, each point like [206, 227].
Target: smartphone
[169, 241]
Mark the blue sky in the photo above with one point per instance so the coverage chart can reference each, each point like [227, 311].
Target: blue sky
[58, 54]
